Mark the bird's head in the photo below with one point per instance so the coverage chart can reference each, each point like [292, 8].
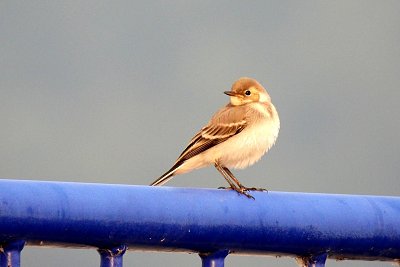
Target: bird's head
[247, 90]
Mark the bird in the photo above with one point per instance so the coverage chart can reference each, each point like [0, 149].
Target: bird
[237, 136]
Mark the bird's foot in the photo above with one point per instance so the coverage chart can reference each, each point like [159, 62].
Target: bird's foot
[255, 189]
[245, 190]
[242, 190]
[226, 188]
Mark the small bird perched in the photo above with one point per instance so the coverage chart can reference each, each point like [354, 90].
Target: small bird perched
[237, 136]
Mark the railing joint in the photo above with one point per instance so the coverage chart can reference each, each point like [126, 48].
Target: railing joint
[214, 259]
[317, 260]
[112, 256]
[10, 253]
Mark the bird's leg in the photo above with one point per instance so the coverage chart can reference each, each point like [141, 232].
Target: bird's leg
[227, 178]
[242, 187]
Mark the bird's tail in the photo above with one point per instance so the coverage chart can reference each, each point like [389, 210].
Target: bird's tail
[162, 180]
[166, 176]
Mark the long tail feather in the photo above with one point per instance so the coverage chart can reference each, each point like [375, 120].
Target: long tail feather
[166, 176]
[162, 180]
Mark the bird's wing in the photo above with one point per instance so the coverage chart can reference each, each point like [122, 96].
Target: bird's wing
[226, 123]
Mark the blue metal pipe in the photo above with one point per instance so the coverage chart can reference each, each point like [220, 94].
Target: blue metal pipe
[200, 220]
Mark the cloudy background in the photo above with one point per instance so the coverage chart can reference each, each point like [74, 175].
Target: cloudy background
[111, 92]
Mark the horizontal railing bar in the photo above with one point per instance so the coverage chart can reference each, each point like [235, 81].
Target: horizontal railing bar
[200, 220]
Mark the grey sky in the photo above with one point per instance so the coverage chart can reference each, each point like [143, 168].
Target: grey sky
[111, 92]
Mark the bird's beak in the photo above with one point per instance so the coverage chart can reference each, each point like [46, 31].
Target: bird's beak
[231, 93]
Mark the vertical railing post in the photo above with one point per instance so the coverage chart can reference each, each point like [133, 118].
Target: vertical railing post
[10, 253]
[214, 259]
[313, 261]
[112, 257]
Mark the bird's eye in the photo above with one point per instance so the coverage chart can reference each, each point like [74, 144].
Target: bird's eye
[247, 92]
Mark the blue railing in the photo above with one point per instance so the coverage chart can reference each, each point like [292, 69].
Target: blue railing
[211, 222]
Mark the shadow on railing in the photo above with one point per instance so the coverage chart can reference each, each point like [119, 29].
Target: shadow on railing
[213, 223]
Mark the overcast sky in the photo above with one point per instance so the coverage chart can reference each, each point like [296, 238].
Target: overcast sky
[112, 91]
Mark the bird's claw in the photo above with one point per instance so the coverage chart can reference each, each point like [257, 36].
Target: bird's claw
[255, 189]
[226, 188]
[244, 190]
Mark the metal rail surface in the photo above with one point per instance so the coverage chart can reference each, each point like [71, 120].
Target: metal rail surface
[211, 222]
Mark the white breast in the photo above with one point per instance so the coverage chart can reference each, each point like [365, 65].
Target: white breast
[252, 143]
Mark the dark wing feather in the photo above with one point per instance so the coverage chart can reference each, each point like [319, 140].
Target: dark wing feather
[222, 126]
